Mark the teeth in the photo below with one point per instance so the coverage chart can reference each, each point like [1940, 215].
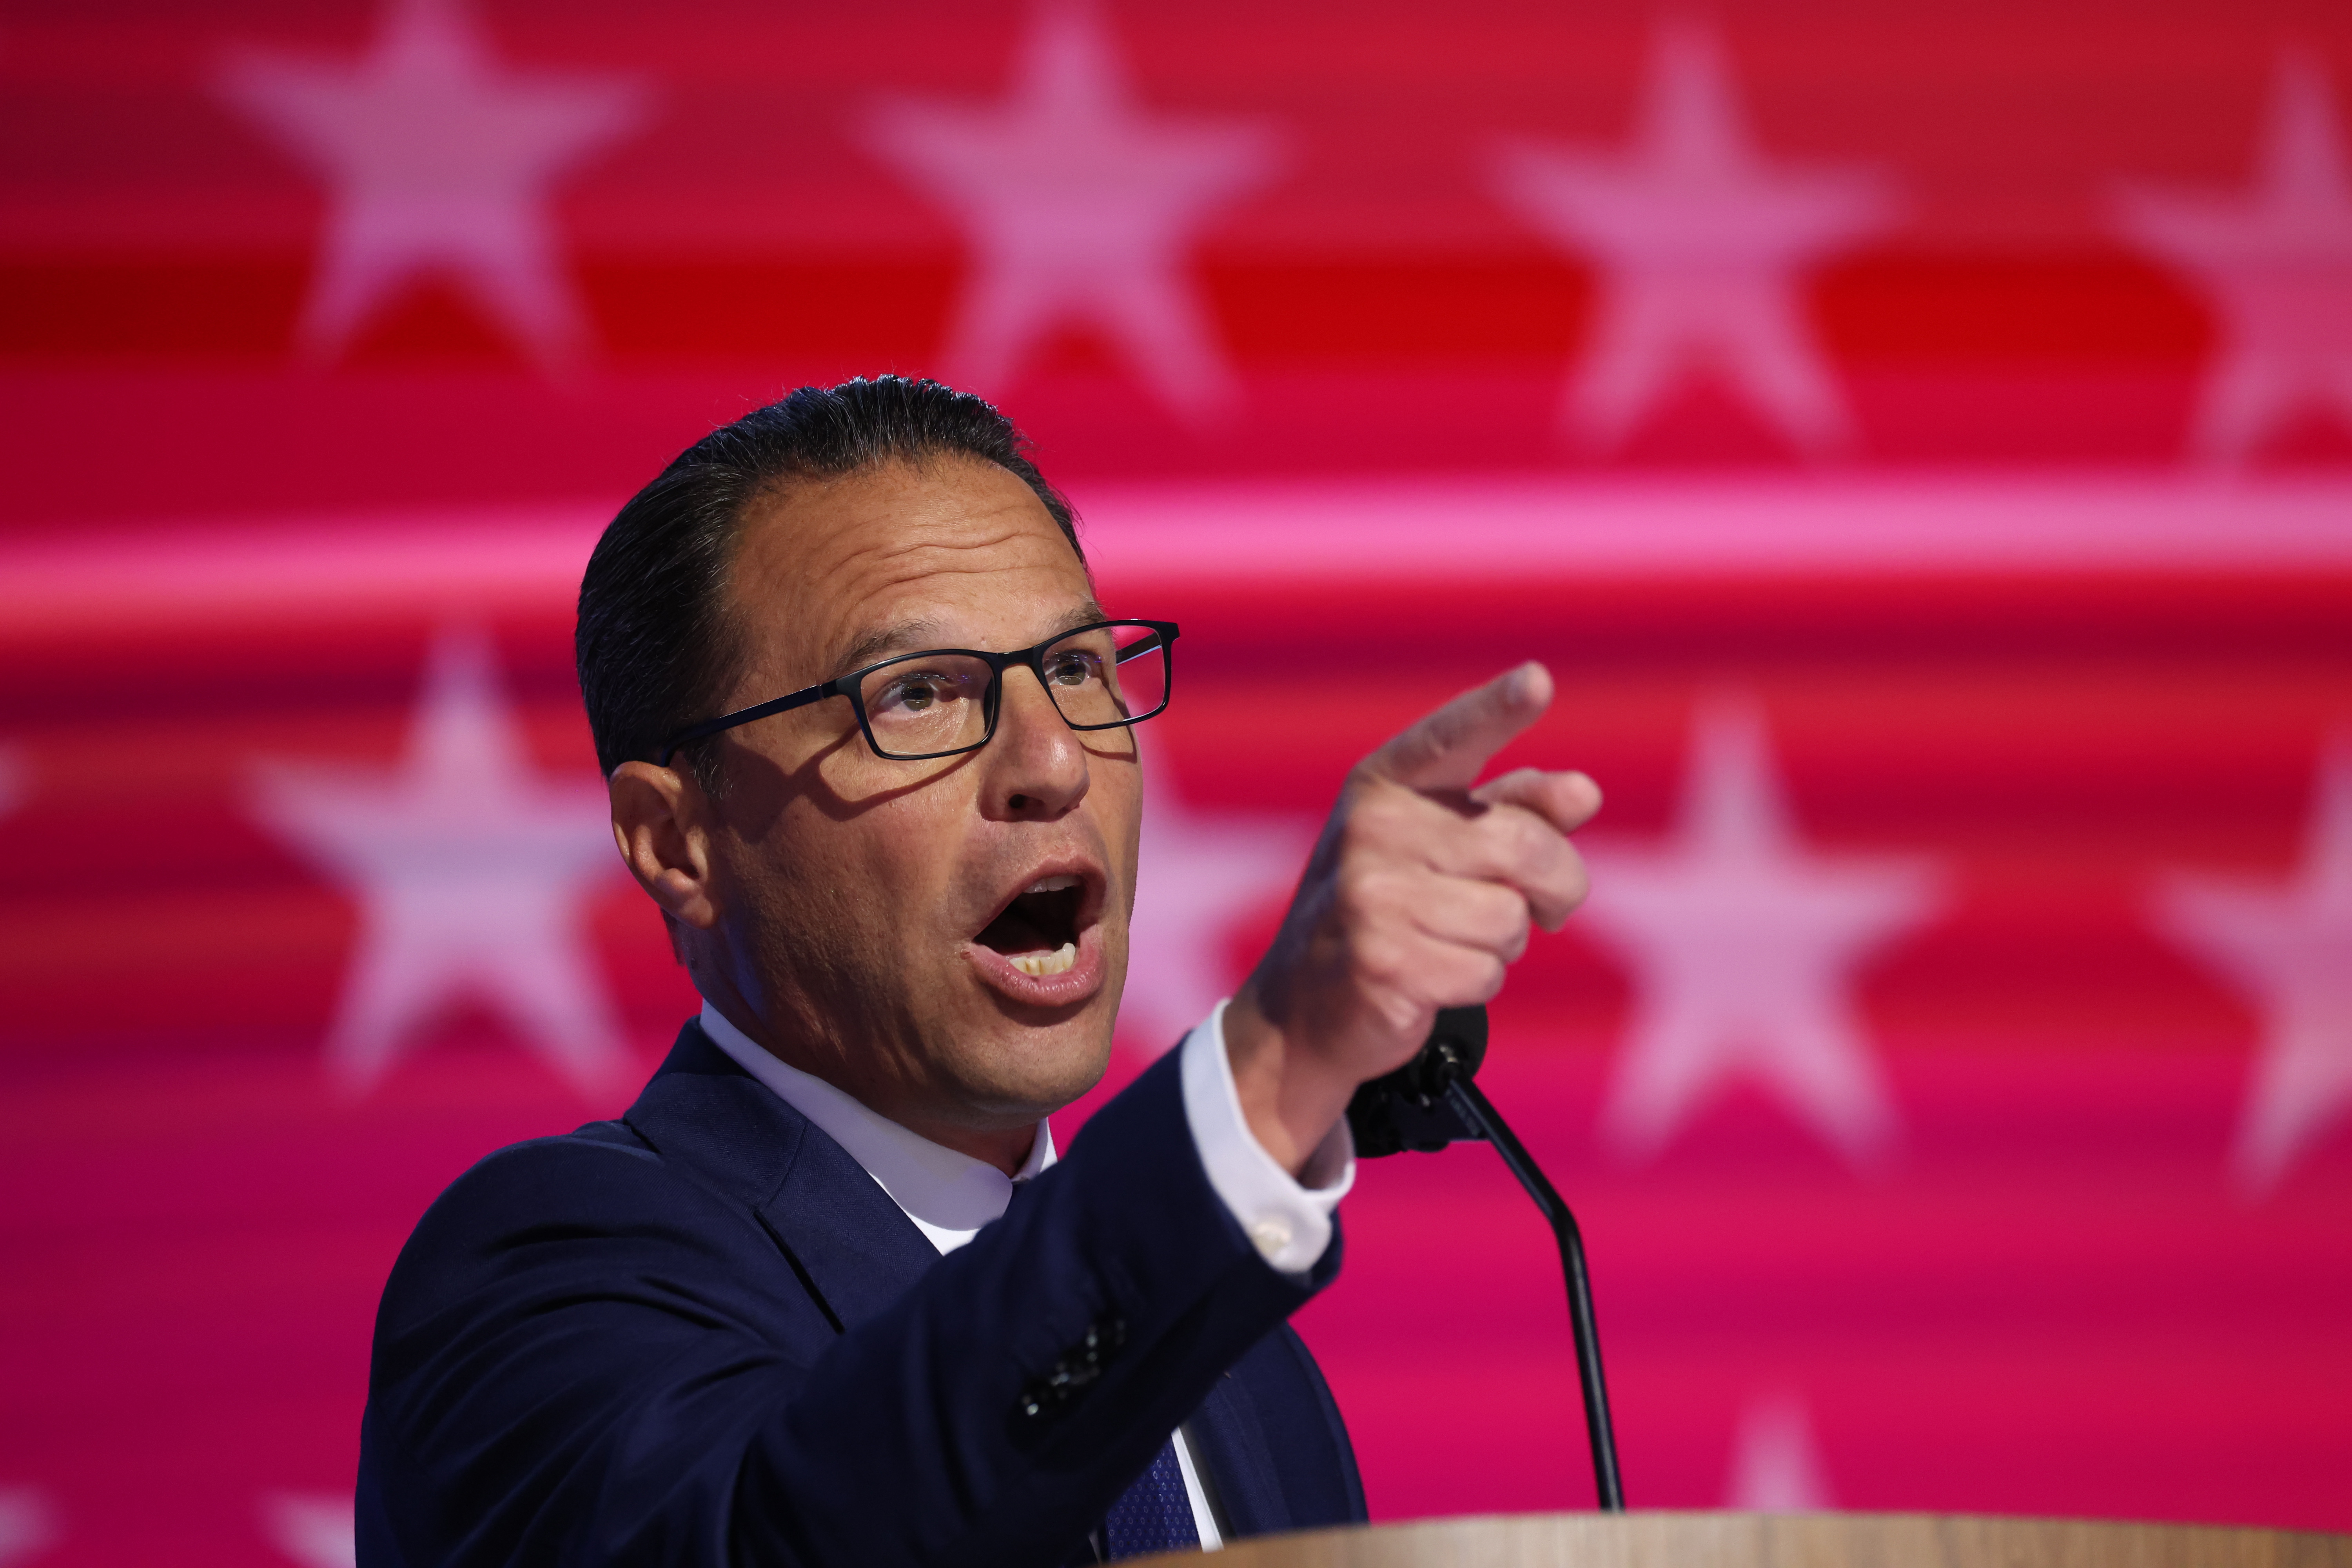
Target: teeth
[1050, 884]
[1040, 964]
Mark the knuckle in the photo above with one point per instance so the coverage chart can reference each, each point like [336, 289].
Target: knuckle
[1556, 910]
[1372, 818]
[1475, 978]
[1518, 910]
[1501, 911]
[1533, 838]
[1401, 1015]
[1571, 880]
[1374, 893]
[1510, 837]
[1381, 962]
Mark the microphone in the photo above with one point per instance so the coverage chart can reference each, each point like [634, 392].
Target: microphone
[1431, 1101]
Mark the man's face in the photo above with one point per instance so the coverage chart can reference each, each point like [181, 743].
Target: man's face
[869, 909]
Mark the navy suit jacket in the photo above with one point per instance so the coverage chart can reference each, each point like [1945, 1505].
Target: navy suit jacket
[703, 1335]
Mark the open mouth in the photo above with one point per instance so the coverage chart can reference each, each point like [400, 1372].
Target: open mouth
[1037, 933]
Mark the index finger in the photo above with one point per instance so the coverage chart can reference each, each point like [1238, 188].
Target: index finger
[1449, 748]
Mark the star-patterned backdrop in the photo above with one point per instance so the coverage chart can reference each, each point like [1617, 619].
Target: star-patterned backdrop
[1918, 438]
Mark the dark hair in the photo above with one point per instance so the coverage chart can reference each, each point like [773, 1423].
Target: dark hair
[655, 646]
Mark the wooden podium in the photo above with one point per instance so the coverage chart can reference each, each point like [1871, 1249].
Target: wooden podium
[1778, 1541]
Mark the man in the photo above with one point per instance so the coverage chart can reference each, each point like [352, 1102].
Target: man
[824, 1294]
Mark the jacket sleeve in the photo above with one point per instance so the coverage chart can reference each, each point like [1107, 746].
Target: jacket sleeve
[573, 1367]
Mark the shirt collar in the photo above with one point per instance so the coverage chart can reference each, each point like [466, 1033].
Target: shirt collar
[949, 1196]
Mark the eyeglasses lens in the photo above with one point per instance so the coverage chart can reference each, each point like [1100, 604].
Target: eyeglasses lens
[928, 703]
[1108, 674]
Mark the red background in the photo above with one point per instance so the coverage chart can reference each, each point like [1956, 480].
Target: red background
[2051, 1299]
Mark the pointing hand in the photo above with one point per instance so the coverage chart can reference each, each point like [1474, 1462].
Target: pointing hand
[1419, 894]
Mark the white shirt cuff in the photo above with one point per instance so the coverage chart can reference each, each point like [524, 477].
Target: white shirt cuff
[1288, 1221]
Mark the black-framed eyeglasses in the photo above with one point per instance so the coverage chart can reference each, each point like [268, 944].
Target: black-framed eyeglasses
[944, 701]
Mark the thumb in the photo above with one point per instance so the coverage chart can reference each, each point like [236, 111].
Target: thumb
[1449, 748]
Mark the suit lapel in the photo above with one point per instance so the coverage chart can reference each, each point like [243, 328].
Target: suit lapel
[855, 1249]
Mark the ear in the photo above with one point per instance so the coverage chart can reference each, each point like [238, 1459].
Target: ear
[661, 820]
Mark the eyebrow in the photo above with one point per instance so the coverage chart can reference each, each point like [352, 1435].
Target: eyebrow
[879, 641]
[913, 637]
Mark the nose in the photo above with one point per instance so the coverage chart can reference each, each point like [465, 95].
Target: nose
[1036, 768]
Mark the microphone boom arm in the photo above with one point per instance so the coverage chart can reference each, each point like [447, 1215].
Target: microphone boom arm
[1478, 1113]
[1431, 1101]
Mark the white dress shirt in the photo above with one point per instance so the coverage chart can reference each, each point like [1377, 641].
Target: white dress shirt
[949, 1195]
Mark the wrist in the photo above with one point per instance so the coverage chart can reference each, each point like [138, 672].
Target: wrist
[1290, 1096]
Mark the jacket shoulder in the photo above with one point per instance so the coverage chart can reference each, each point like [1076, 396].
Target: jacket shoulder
[605, 1168]
[537, 1217]
[568, 1305]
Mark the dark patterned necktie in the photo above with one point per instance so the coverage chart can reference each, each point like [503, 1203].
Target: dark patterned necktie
[1154, 1514]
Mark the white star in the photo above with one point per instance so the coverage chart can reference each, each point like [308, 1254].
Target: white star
[439, 161]
[1200, 871]
[472, 874]
[1742, 944]
[1776, 1465]
[315, 1531]
[1700, 242]
[2277, 262]
[29, 1524]
[1079, 206]
[2289, 945]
